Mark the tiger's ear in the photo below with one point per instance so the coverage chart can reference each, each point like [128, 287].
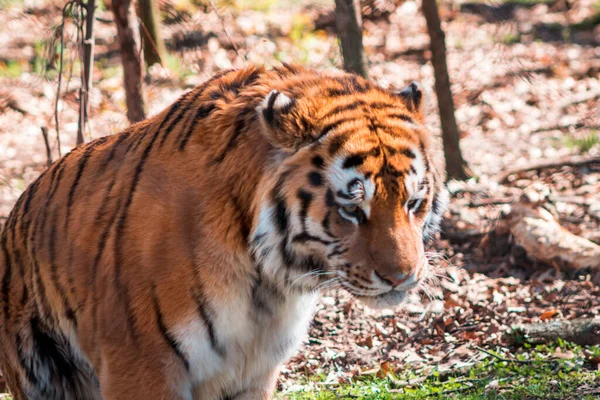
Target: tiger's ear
[282, 122]
[412, 96]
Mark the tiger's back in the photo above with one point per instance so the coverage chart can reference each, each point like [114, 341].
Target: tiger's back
[134, 257]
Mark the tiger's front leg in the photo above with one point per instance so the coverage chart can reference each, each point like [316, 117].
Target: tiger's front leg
[128, 373]
[262, 388]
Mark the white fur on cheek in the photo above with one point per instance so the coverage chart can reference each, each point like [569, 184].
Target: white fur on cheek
[414, 179]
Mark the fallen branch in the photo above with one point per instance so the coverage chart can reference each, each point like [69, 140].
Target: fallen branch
[583, 332]
[573, 161]
[536, 230]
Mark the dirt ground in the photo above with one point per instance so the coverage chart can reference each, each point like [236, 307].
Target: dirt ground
[520, 71]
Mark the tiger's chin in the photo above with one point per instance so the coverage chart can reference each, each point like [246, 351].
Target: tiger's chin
[389, 299]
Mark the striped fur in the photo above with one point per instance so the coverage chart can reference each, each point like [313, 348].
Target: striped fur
[182, 257]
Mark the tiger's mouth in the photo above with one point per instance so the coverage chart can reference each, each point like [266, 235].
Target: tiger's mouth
[389, 299]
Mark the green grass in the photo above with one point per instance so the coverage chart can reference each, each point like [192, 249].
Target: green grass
[584, 143]
[542, 375]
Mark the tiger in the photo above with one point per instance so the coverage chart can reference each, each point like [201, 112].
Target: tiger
[183, 257]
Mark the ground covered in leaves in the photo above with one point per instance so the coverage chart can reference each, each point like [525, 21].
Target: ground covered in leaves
[526, 79]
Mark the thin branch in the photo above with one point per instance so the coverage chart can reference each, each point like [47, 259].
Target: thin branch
[235, 48]
[573, 161]
[47, 143]
[509, 360]
[82, 86]
[580, 98]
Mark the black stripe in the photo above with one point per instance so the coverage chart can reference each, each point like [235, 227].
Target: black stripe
[55, 179]
[310, 264]
[353, 161]
[337, 251]
[358, 159]
[113, 150]
[59, 288]
[202, 112]
[326, 227]
[241, 124]
[244, 222]
[104, 235]
[184, 104]
[281, 216]
[343, 195]
[315, 178]
[204, 109]
[305, 200]
[318, 162]
[306, 237]
[424, 154]
[205, 312]
[329, 198]
[265, 294]
[401, 116]
[286, 254]
[344, 107]
[80, 168]
[122, 221]
[170, 339]
[136, 140]
[338, 142]
[6, 281]
[281, 213]
[268, 111]
[168, 120]
[40, 293]
[331, 126]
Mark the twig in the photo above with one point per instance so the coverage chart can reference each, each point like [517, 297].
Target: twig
[515, 360]
[148, 36]
[580, 98]
[48, 152]
[235, 48]
[573, 161]
[563, 127]
[82, 86]
[491, 201]
[441, 375]
[60, 70]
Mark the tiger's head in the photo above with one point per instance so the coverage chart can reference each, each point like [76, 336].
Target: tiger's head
[355, 192]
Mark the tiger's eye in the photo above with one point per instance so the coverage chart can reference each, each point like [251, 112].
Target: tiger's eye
[350, 208]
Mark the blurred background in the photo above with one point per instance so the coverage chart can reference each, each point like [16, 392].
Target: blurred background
[523, 99]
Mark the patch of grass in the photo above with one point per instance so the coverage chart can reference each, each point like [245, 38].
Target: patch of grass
[5, 4]
[510, 38]
[13, 68]
[541, 375]
[585, 143]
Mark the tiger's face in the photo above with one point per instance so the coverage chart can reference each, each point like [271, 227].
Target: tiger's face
[355, 206]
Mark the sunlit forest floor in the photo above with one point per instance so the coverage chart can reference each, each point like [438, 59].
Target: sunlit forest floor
[524, 74]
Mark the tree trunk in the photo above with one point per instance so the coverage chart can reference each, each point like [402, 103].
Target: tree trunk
[88, 67]
[348, 21]
[152, 41]
[130, 57]
[456, 167]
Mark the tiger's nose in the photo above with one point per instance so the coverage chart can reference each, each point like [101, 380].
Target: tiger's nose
[400, 281]
[395, 280]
